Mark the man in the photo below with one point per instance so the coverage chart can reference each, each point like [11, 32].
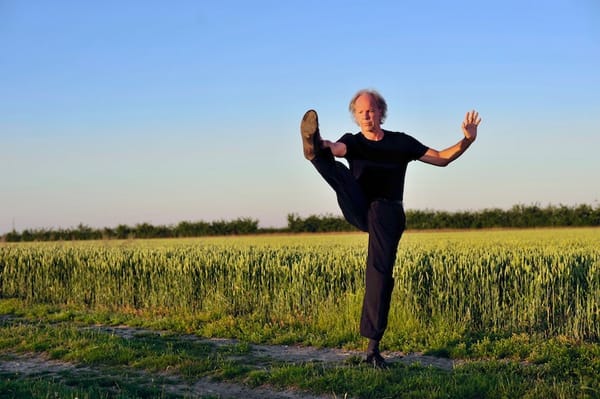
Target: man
[370, 193]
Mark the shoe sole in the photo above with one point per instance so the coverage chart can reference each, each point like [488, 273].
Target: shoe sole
[309, 128]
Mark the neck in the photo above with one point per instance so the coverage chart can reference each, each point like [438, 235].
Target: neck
[375, 135]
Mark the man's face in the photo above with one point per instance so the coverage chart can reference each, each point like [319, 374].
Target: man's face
[367, 113]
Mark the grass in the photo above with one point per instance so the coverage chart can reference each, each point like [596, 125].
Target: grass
[146, 364]
[79, 385]
[447, 284]
[518, 312]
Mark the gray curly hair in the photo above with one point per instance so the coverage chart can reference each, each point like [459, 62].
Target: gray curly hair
[378, 99]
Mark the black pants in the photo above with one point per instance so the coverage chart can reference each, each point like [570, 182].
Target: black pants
[385, 221]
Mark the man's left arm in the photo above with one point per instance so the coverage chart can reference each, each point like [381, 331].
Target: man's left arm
[444, 157]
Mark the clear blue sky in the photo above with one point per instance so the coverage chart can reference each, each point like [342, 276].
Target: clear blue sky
[124, 112]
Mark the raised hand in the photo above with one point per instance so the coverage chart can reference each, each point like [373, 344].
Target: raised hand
[469, 125]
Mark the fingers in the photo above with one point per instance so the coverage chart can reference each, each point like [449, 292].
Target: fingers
[472, 118]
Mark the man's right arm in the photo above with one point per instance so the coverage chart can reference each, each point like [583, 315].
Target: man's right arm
[338, 148]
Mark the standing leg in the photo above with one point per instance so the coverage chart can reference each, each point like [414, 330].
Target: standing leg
[386, 221]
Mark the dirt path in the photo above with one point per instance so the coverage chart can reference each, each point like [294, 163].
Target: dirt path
[298, 354]
[35, 364]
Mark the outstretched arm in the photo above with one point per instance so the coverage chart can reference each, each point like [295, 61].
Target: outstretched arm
[338, 149]
[444, 157]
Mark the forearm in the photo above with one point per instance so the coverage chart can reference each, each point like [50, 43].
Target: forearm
[451, 153]
[446, 156]
[337, 148]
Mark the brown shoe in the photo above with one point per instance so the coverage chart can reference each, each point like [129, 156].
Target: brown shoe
[311, 138]
[375, 360]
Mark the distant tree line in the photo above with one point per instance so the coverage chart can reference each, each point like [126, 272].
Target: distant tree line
[144, 230]
[519, 216]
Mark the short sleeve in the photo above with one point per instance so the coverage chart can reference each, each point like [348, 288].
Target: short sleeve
[349, 140]
[417, 149]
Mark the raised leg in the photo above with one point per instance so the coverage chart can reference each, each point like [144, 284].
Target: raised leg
[349, 194]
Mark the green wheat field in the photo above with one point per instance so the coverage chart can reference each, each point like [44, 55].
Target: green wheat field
[454, 291]
[545, 281]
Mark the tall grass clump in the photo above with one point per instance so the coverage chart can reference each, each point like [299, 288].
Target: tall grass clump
[507, 282]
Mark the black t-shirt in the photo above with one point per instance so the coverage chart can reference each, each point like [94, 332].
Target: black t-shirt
[380, 166]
